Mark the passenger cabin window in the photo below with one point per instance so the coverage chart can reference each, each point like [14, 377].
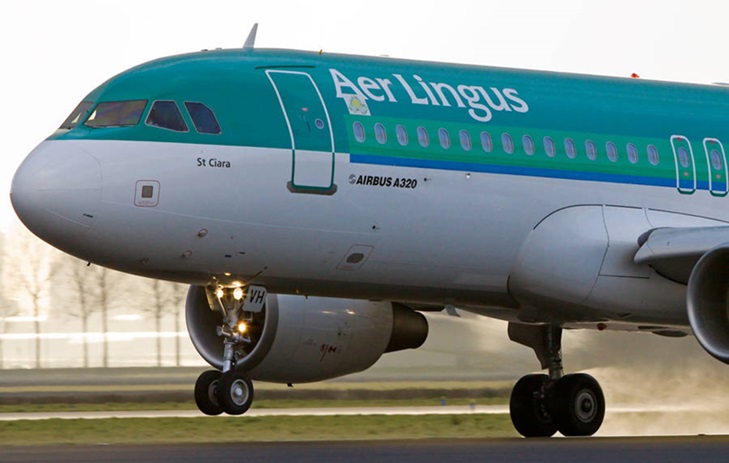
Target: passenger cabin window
[549, 147]
[683, 157]
[423, 138]
[632, 153]
[402, 135]
[591, 150]
[653, 155]
[569, 148]
[486, 142]
[166, 115]
[116, 114]
[528, 144]
[359, 132]
[612, 151]
[507, 143]
[444, 138]
[203, 118]
[465, 138]
[716, 159]
[380, 134]
[77, 115]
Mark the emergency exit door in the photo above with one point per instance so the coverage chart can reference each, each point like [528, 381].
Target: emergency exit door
[683, 156]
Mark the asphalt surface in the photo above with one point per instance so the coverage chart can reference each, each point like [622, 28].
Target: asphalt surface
[594, 450]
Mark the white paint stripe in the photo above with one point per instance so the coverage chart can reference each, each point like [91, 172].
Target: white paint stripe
[346, 411]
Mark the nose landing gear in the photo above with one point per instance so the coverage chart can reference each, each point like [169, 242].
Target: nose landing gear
[231, 390]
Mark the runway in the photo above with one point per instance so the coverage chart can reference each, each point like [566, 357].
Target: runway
[593, 450]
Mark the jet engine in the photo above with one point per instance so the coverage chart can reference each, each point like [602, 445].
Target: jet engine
[707, 302]
[298, 339]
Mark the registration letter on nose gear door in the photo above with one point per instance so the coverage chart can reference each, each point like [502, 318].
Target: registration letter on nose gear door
[255, 299]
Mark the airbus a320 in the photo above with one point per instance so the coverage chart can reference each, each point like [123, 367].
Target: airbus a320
[317, 203]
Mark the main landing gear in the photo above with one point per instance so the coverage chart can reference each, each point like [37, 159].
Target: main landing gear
[542, 404]
[231, 390]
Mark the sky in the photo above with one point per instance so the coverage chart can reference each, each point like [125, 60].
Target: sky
[54, 53]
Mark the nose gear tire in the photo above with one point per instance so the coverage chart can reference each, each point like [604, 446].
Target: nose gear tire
[206, 392]
[235, 392]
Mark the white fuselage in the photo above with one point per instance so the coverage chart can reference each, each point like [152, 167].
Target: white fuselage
[221, 214]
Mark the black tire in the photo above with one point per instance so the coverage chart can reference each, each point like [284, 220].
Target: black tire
[206, 392]
[577, 405]
[235, 392]
[528, 409]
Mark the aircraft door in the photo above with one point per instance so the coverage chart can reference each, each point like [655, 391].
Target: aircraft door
[685, 166]
[312, 141]
[716, 160]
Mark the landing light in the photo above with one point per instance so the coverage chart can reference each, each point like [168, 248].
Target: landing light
[242, 327]
[238, 294]
[220, 293]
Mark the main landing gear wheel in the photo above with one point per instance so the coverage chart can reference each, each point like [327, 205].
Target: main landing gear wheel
[235, 392]
[577, 405]
[528, 407]
[206, 392]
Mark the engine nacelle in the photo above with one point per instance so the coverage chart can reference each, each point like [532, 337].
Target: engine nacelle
[707, 302]
[305, 339]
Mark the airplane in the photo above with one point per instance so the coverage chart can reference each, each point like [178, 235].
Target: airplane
[318, 203]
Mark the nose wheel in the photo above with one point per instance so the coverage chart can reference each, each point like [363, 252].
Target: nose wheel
[235, 392]
[206, 393]
[230, 392]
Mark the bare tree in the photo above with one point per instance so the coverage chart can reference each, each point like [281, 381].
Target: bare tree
[157, 310]
[28, 271]
[166, 299]
[7, 310]
[104, 292]
[79, 279]
[177, 297]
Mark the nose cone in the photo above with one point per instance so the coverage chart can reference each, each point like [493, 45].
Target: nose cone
[56, 192]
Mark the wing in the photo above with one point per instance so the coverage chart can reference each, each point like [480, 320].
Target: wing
[674, 252]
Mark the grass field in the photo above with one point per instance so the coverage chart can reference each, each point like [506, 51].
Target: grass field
[243, 429]
[259, 404]
[149, 389]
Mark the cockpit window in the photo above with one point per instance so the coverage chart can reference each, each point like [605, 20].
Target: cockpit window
[167, 115]
[77, 115]
[203, 118]
[116, 113]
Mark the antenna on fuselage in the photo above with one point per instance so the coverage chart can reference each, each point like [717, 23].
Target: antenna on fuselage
[251, 40]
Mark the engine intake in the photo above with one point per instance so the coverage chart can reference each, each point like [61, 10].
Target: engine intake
[304, 339]
[707, 302]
